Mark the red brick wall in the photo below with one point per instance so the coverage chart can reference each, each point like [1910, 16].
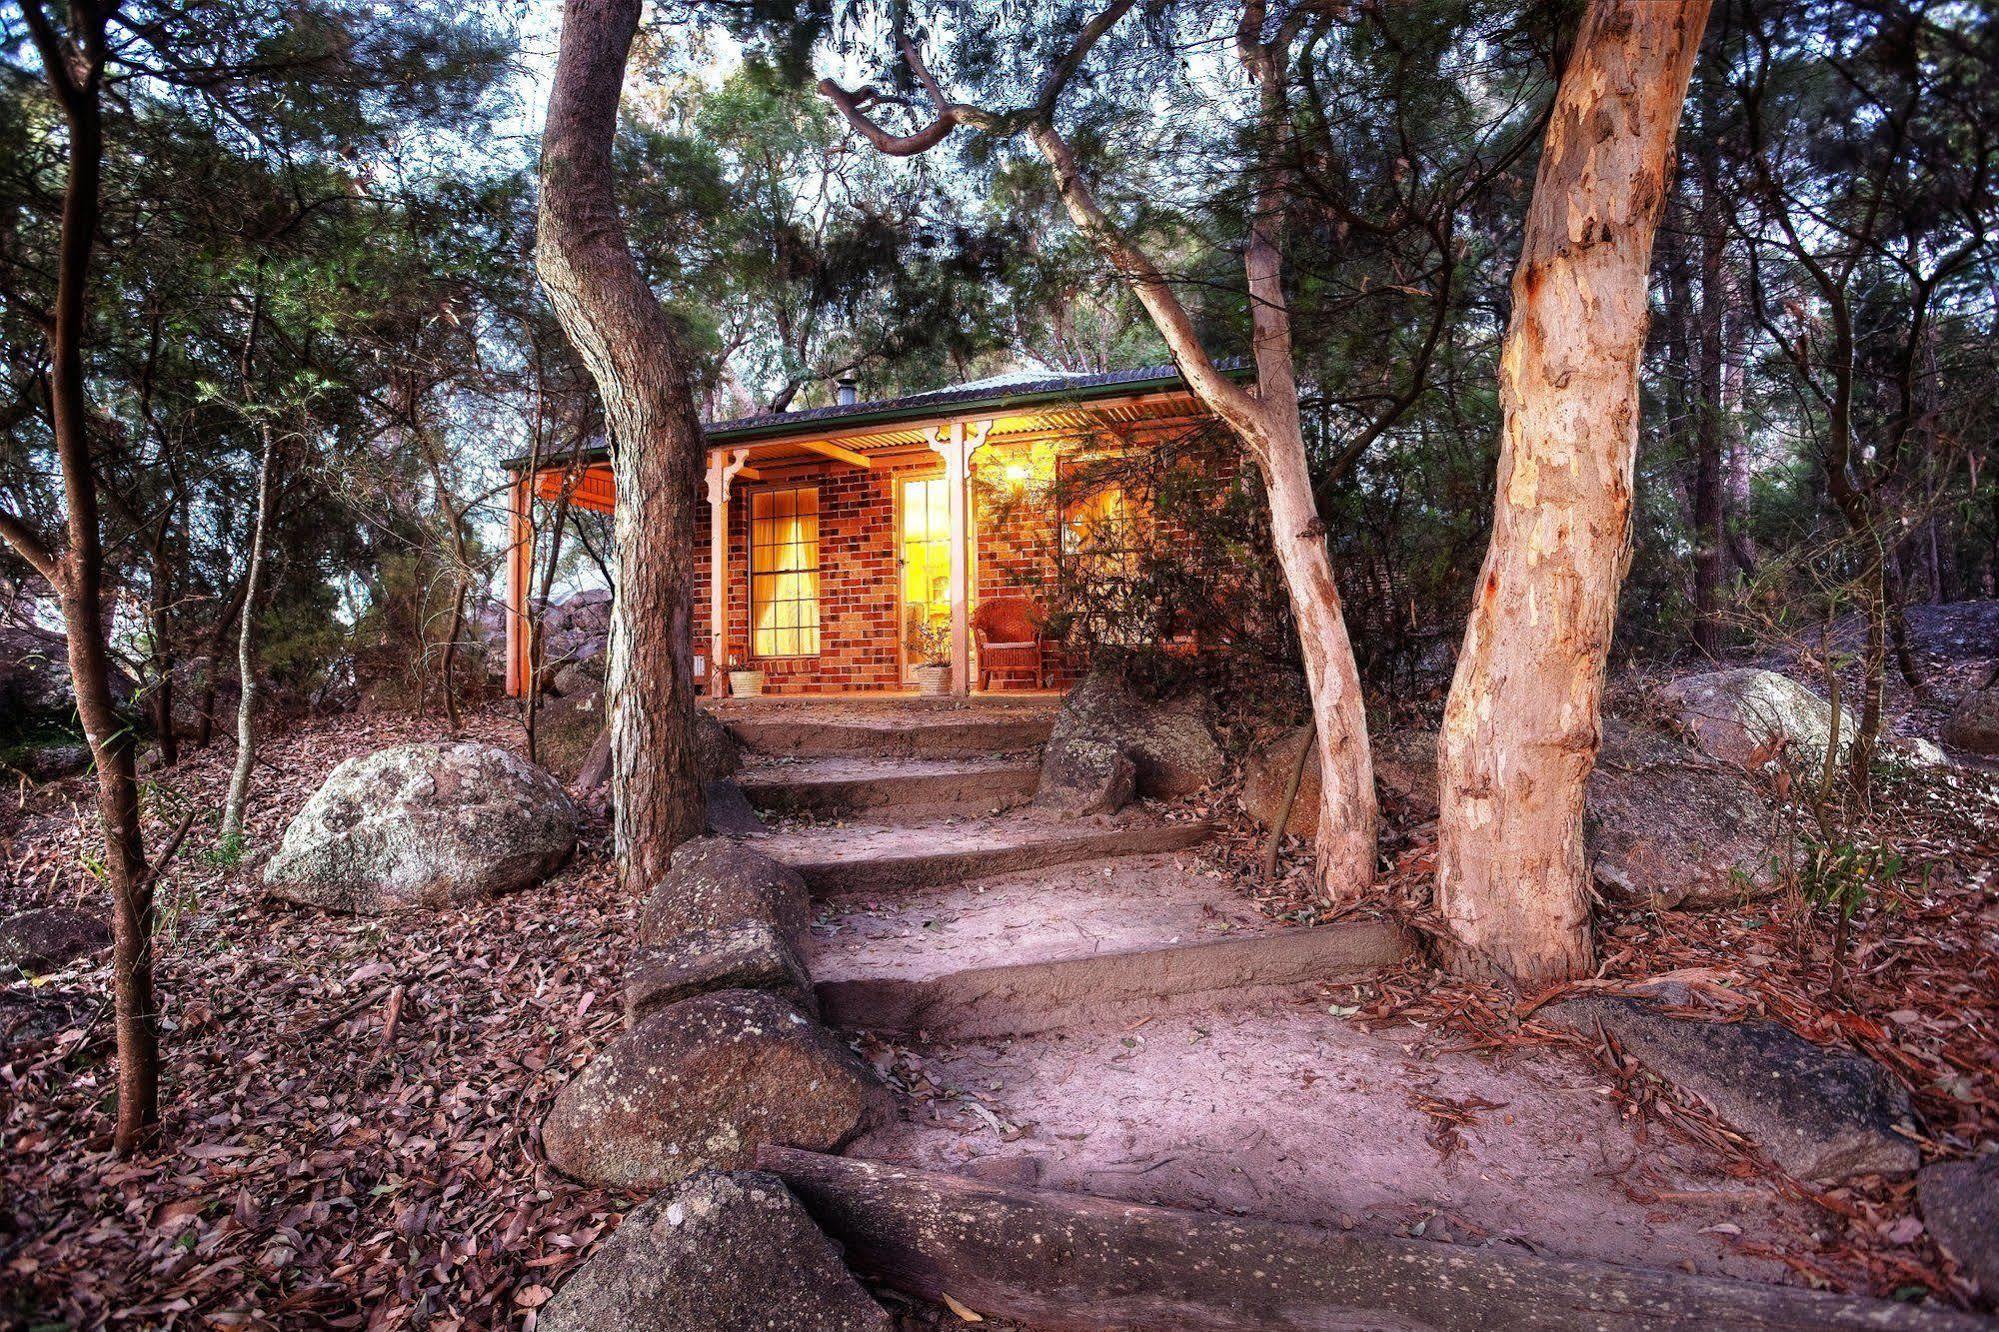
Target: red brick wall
[1014, 553]
[859, 644]
[1015, 535]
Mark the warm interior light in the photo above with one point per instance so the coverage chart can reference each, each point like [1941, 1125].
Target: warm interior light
[1028, 468]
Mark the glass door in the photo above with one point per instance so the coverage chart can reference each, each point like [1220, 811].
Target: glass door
[925, 558]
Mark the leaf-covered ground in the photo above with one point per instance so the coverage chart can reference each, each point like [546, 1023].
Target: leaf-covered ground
[352, 1105]
[322, 1164]
[1919, 987]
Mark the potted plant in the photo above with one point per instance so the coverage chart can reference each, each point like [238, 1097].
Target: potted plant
[744, 682]
[929, 646]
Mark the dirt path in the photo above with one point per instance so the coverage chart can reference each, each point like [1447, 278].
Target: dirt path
[1117, 1020]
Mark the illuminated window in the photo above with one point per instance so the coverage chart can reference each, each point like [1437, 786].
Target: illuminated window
[1099, 535]
[926, 551]
[784, 572]
[1102, 564]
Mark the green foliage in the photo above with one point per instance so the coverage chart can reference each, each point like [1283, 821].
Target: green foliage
[319, 227]
[300, 646]
[788, 257]
[927, 641]
[398, 643]
[227, 853]
[1840, 878]
[1176, 576]
[298, 242]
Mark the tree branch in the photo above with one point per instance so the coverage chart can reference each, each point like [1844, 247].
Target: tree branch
[31, 547]
[949, 114]
[1238, 407]
[48, 48]
[1064, 69]
[1154, 292]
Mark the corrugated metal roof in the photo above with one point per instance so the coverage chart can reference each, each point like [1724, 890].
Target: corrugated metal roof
[999, 393]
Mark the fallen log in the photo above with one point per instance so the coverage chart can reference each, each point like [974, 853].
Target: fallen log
[1066, 1261]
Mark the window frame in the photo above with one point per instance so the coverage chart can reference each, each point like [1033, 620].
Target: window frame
[815, 569]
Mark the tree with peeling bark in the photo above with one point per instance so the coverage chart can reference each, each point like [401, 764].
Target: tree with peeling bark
[636, 352]
[1264, 415]
[1522, 724]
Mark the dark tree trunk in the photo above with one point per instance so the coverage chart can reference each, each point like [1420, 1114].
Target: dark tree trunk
[461, 559]
[159, 626]
[636, 353]
[537, 648]
[1710, 480]
[73, 65]
[1873, 662]
[218, 638]
[1898, 622]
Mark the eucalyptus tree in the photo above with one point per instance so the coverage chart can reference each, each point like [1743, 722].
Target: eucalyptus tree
[1052, 80]
[291, 92]
[1294, 184]
[1522, 724]
[1515, 902]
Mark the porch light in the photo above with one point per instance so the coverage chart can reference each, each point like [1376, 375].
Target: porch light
[1028, 469]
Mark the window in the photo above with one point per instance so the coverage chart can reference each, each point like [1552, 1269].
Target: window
[1102, 567]
[1100, 535]
[926, 551]
[784, 572]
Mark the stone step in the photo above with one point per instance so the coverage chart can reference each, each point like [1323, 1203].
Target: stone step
[1089, 941]
[843, 786]
[1053, 1258]
[1022, 998]
[1290, 1110]
[876, 858]
[973, 733]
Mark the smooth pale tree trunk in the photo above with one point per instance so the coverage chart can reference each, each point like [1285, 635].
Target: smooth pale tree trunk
[637, 355]
[1265, 419]
[1737, 329]
[246, 656]
[1521, 728]
[73, 66]
[1345, 845]
[1267, 422]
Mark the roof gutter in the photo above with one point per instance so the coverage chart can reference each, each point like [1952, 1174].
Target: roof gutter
[777, 430]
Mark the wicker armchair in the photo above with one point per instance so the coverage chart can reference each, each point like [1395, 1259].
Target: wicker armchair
[1010, 642]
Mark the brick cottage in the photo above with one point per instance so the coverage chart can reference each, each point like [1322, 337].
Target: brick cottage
[849, 542]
